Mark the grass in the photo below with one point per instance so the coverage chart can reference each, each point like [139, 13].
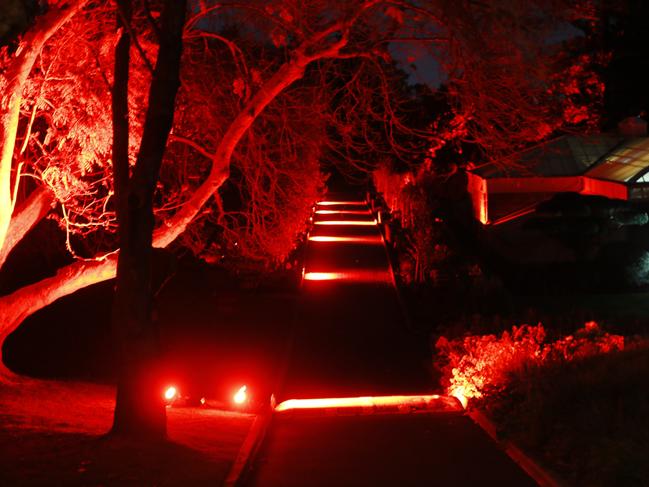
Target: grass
[53, 433]
[586, 420]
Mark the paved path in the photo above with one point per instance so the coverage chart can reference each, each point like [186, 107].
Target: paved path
[352, 341]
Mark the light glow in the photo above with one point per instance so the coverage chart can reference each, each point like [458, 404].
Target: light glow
[346, 222]
[350, 275]
[170, 393]
[459, 395]
[343, 212]
[322, 276]
[331, 238]
[334, 203]
[241, 395]
[371, 402]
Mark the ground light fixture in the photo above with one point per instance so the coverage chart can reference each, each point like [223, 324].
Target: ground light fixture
[458, 393]
[241, 396]
[170, 394]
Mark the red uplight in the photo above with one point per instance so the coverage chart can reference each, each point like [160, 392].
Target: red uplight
[241, 395]
[346, 222]
[170, 393]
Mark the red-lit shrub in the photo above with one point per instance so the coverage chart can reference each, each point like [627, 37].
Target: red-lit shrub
[475, 366]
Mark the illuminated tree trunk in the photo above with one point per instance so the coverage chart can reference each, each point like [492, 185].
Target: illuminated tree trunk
[139, 407]
[25, 217]
[16, 75]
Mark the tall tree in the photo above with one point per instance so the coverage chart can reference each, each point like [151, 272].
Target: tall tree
[139, 407]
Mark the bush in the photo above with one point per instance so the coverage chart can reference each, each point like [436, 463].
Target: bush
[473, 366]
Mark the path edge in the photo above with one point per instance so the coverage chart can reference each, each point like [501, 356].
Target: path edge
[540, 475]
[248, 451]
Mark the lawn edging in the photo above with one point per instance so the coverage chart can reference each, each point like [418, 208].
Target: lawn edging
[533, 469]
[249, 448]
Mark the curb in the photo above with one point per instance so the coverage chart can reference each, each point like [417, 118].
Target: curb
[248, 450]
[531, 468]
[402, 304]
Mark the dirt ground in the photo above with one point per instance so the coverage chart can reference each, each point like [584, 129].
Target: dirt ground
[53, 433]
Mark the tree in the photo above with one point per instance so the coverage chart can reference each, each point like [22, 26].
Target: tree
[12, 83]
[309, 38]
[139, 407]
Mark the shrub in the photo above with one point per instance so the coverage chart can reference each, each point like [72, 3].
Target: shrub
[474, 366]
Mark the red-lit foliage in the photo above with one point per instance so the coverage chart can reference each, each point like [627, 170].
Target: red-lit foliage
[476, 366]
[421, 247]
[275, 172]
[287, 73]
[517, 85]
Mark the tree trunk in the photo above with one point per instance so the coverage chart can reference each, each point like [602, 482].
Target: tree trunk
[26, 216]
[16, 75]
[139, 407]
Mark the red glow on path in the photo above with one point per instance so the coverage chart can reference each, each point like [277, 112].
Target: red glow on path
[350, 275]
[335, 203]
[343, 212]
[426, 401]
[346, 222]
[329, 238]
[323, 276]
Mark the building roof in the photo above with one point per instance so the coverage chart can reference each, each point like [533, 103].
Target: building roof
[568, 155]
[627, 162]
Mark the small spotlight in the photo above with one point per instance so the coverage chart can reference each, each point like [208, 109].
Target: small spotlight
[171, 393]
[241, 395]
